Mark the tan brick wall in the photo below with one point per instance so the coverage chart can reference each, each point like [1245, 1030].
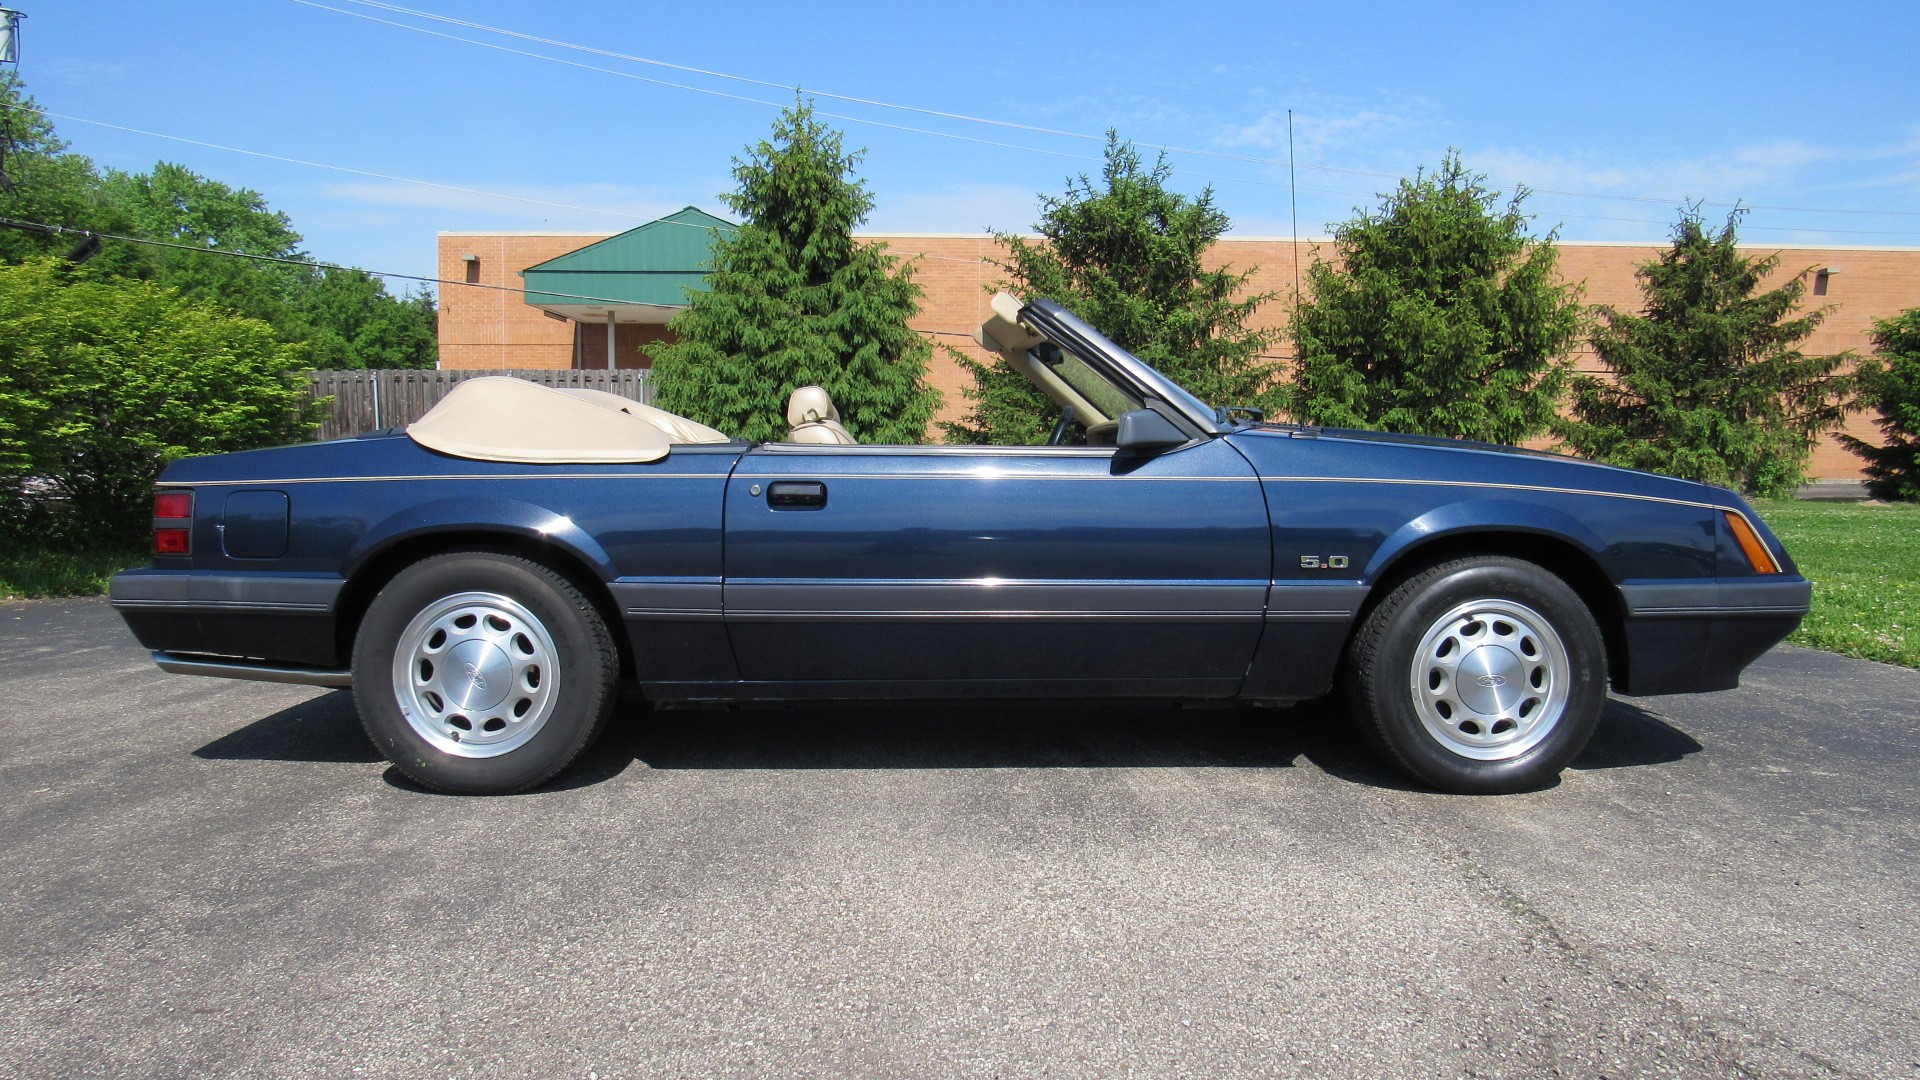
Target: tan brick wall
[495, 327]
[489, 328]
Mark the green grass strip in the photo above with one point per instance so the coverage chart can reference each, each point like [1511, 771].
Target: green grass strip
[1864, 562]
[29, 571]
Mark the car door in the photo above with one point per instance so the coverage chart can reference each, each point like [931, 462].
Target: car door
[1024, 570]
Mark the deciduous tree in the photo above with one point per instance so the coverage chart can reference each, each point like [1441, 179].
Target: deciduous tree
[103, 382]
[340, 318]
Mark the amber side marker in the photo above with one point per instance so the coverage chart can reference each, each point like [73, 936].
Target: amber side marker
[1750, 543]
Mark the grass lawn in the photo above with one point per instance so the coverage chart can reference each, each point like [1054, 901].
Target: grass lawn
[1864, 562]
[28, 571]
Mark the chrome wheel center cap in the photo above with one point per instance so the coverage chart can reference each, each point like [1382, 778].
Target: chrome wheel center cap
[480, 677]
[1491, 680]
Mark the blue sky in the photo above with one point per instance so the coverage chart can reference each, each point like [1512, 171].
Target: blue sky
[1791, 105]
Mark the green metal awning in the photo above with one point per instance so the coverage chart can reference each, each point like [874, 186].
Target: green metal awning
[640, 276]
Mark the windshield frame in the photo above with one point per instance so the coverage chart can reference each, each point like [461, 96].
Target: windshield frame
[1136, 379]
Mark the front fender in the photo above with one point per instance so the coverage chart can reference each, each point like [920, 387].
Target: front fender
[1469, 516]
[488, 516]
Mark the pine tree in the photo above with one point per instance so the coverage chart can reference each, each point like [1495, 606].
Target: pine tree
[1440, 317]
[1125, 254]
[1892, 388]
[792, 299]
[1707, 382]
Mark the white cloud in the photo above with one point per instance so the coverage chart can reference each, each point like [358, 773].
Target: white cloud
[1314, 133]
[71, 72]
[973, 208]
[596, 207]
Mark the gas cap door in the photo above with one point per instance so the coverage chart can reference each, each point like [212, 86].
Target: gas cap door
[256, 525]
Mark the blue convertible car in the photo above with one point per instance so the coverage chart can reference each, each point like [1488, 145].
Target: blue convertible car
[487, 579]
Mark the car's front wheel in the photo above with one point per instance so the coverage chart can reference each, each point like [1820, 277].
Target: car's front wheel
[482, 673]
[1483, 675]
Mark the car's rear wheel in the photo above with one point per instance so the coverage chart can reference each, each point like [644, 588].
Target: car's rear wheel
[1484, 675]
[483, 673]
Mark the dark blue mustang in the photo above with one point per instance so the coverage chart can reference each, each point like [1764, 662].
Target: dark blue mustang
[487, 579]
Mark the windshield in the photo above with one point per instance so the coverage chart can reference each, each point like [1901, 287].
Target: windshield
[1086, 382]
[1132, 366]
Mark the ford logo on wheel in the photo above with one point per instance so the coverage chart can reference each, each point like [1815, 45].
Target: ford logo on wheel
[1492, 680]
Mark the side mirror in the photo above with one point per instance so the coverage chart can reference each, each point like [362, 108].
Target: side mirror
[1144, 430]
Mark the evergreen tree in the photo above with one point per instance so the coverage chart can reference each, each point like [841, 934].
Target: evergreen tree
[1892, 387]
[1707, 382]
[1440, 316]
[792, 299]
[1126, 254]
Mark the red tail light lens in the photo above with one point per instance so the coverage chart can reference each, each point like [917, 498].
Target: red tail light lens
[173, 505]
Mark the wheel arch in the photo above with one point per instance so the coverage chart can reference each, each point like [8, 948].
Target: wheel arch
[1558, 554]
[378, 566]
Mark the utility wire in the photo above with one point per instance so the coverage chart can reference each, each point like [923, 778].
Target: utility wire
[358, 172]
[423, 183]
[684, 86]
[95, 234]
[349, 170]
[1012, 125]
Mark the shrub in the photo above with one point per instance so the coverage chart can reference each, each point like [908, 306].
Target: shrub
[104, 382]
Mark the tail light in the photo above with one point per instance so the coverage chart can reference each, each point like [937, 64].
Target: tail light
[1751, 545]
[173, 523]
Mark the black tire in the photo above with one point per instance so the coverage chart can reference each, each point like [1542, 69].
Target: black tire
[486, 643]
[1513, 633]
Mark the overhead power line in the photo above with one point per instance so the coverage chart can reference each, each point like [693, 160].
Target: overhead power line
[96, 235]
[352, 171]
[529, 200]
[380, 5]
[412, 180]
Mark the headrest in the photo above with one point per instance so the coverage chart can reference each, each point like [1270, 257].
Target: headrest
[810, 405]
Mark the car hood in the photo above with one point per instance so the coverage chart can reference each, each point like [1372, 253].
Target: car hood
[1381, 454]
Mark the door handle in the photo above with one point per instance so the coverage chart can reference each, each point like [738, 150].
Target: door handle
[796, 495]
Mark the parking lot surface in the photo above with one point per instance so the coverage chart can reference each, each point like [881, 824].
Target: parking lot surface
[215, 878]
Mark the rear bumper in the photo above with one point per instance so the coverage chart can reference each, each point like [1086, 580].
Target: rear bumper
[274, 618]
[1690, 637]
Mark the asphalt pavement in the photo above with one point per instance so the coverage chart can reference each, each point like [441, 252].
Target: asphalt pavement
[209, 878]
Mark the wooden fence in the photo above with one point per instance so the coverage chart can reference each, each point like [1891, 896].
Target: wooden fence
[370, 400]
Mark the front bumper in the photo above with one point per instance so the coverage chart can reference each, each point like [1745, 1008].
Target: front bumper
[1696, 636]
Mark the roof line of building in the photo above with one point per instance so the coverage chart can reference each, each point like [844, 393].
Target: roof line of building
[1767, 245]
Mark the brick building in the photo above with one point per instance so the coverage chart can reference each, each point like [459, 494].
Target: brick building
[535, 316]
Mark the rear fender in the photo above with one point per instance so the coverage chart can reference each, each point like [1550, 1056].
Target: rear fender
[480, 518]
